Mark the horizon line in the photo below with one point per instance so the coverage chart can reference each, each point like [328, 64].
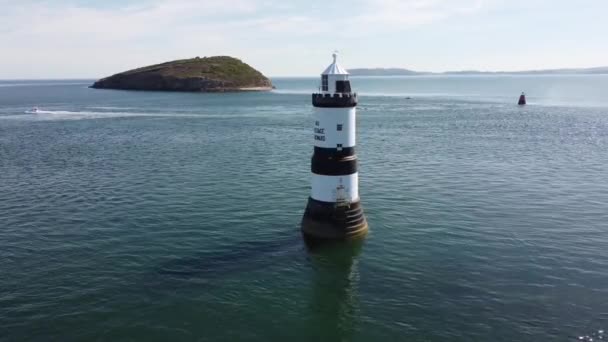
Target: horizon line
[536, 72]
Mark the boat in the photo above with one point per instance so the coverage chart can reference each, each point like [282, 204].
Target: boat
[34, 110]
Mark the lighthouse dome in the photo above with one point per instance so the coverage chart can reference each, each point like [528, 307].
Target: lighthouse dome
[335, 79]
[335, 68]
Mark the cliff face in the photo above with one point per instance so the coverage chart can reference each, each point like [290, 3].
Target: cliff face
[209, 74]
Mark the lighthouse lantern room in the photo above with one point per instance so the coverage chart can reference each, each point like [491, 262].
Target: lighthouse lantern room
[334, 210]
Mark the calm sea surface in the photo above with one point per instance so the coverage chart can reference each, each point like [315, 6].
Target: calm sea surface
[171, 216]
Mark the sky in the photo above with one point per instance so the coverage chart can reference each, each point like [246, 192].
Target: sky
[92, 39]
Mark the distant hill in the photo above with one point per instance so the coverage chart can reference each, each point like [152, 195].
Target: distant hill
[407, 72]
[208, 74]
[384, 72]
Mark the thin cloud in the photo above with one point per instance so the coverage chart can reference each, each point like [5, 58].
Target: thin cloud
[408, 13]
[69, 36]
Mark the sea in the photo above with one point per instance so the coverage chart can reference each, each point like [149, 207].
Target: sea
[161, 216]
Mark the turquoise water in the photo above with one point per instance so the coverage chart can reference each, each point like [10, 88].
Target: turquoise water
[170, 216]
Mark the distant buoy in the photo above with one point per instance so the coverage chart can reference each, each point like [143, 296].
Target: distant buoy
[522, 99]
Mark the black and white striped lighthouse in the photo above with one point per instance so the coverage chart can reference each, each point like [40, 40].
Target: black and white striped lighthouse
[334, 209]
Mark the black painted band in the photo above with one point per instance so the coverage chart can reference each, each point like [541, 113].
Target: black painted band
[334, 166]
[334, 221]
[334, 100]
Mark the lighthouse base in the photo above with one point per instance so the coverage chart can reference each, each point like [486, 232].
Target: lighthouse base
[333, 221]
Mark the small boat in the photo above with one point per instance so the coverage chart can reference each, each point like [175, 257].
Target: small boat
[34, 110]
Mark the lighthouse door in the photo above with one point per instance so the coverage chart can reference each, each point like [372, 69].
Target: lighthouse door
[342, 196]
[340, 193]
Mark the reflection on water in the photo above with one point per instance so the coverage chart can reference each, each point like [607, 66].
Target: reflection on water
[597, 336]
[334, 303]
[239, 257]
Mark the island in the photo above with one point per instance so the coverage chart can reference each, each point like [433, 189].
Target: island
[207, 74]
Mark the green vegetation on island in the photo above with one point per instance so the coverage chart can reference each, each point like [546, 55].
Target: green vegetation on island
[207, 74]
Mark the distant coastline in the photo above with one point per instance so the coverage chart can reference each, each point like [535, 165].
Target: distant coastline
[408, 72]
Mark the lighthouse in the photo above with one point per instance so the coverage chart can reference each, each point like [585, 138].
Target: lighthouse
[334, 209]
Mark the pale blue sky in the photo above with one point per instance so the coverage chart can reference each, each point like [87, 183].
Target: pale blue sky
[90, 39]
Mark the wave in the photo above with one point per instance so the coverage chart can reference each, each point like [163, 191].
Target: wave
[49, 115]
[57, 115]
[111, 108]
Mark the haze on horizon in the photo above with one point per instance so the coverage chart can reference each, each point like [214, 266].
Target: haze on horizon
[94, 38]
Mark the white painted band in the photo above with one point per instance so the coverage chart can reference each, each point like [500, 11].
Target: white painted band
[334, 126]
[334, 188]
